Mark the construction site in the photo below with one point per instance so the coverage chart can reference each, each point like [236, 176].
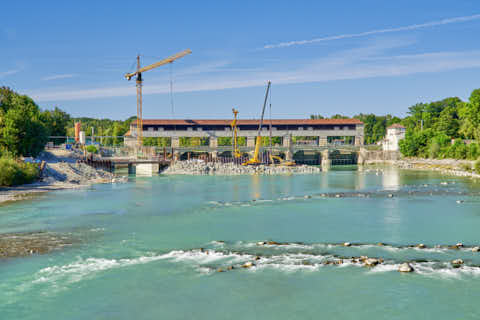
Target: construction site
[244, 142]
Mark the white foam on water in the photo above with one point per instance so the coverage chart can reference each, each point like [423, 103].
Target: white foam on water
[390, 248]
[385, 268]
[217, 243]
[288, 268]
[82, 268]
[263, 200]
[430, 250]
[432, 269]
[428, 269]
[287, 198]
[206, 257]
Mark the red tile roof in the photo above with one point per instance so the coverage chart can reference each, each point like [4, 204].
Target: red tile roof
[251, 122]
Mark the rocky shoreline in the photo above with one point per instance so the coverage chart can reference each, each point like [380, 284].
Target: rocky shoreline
[444, 166]
[194, 167]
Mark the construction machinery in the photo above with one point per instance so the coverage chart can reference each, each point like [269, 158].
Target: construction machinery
[235, 152]
[276, 160]
[138, 75]
[255, 159]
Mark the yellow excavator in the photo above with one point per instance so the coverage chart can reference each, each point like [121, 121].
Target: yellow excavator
[255, 160]
[276, 160]
[236, 151]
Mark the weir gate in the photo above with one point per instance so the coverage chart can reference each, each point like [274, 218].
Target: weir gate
[323, 142]
[154, 159]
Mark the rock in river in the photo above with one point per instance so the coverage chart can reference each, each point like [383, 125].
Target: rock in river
[457, 263]
[371, 262]
[405, 267]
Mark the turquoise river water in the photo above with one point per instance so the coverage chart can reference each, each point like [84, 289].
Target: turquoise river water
[151, 248]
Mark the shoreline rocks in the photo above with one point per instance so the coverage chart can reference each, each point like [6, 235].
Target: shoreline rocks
[197, 167]
[451, 167]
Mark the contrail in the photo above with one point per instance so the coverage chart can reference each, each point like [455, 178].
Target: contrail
[367, 33]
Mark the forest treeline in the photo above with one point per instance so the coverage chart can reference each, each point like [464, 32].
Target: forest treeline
[25, 128]
[431, 128]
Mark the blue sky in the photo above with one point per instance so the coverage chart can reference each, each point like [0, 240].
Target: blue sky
[323, 57]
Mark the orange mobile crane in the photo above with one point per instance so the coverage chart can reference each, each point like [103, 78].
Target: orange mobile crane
[138, 75]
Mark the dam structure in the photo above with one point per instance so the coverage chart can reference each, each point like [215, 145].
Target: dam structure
[303, 140]
[321, 129]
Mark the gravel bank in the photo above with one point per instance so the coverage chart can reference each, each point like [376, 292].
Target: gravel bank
[25, 244]
[194, 167]
[61, 172]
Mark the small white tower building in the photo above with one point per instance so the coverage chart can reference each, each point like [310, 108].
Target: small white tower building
[395, 133]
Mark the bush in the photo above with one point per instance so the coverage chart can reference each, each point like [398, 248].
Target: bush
[92, 149]
[466, 167]
[476, 166]
[13, 173]
[473, 151]
[457, 151]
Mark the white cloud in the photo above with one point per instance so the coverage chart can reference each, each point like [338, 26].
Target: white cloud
[9, 72]
[58, 76]
[372, 32]
[358, 63]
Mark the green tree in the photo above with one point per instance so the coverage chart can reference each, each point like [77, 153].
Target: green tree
[117, 131]
[22, 133]
[56, 121]
[447, 122]
[470, 117]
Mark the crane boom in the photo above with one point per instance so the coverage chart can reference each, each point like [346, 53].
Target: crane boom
[138, 75]
[255, 160]
[159, 63]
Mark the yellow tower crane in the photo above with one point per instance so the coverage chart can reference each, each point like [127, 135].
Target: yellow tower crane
[138, 75]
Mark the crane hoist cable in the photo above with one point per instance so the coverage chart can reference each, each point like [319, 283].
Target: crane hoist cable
[171, 91]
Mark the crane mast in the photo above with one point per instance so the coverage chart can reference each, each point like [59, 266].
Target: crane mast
[235, 152]
[139, 81]
[139, 104]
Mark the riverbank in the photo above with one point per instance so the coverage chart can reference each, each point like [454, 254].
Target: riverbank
[196, 167]
[444, 166]
[61, 172]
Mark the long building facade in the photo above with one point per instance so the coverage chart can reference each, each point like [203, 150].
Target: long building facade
[324, 131]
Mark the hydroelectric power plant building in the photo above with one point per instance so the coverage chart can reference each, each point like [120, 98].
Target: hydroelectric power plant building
[320, 132]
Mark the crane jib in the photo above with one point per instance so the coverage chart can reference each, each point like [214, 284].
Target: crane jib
[263, 110]
[138, 74]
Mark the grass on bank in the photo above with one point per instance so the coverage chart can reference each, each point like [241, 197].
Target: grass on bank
[14, 173]
[476, 166]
